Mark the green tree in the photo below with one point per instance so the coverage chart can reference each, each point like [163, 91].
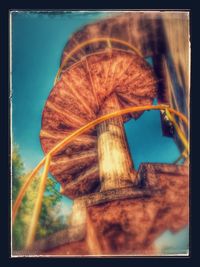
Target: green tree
[17, 171]
[17, 174]
[49, 222]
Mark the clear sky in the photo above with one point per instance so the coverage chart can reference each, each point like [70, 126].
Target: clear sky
[37, 44]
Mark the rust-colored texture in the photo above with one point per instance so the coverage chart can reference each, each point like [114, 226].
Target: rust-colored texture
[131, 225]
[127, 221]
[163, 35]
[117, 210]
[84, 92]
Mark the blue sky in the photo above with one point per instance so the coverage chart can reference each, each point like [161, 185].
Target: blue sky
[37, 44]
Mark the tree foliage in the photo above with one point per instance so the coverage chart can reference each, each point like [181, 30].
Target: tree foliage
[50, 220]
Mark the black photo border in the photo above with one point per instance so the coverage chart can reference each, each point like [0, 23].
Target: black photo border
[5, 251]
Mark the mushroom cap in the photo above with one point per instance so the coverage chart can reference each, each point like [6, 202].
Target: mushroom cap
[79, 97]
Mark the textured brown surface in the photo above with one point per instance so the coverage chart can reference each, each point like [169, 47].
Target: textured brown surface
[144, 30]
[163, 35]
[154, 34]
[127, 221]
[80, 96]
[131, 226]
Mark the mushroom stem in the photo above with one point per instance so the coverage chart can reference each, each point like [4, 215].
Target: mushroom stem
[115, 164]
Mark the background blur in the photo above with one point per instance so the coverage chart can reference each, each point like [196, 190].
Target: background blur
[38, 40]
